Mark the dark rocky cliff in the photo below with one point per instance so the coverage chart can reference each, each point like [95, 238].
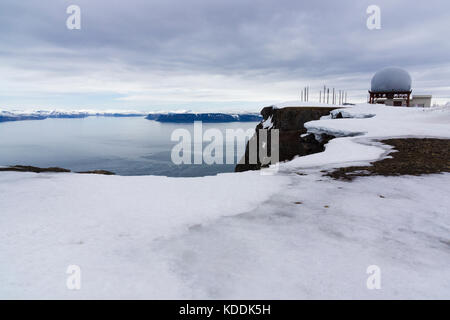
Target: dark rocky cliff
[290, 123]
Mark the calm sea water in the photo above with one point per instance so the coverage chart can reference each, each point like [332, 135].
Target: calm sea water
[126, 146]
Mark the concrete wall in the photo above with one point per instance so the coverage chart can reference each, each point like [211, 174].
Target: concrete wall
[390, 102]
[416, 101]
[421, 101]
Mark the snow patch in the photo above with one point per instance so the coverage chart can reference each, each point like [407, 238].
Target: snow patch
[267, 124]
[367, 122]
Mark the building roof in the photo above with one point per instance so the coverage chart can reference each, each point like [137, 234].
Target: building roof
[391, 79]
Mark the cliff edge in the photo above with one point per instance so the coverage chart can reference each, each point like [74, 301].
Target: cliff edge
[293, 137]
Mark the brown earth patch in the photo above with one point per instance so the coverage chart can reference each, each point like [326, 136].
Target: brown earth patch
[104, 172]
[410, 156]
[19, 168]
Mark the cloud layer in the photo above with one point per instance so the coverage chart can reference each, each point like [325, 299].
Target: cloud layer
[213, 54]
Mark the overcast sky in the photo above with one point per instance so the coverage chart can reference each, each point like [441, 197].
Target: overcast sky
[147, 55]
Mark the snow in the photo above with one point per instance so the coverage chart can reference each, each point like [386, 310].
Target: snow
[57, 113]
[383, 121]
[17, 115]
[340, 153]
[108, 226]
[267, 124]
[363, 124]
[234, 236]
[295, 234]
[321, 248]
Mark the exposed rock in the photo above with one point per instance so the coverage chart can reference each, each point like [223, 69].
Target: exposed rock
[410, 156]
[104, 172]
[20, 168]
[292, 139]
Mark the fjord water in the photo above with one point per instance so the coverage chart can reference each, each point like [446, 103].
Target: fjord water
[126, 146]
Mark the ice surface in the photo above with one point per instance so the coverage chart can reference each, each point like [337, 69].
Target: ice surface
[107, 227]
[316, 238]
[232, 236]
[295, 234]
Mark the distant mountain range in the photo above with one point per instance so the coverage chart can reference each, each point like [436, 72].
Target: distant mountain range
[174, 117]
[204, 117]
[42, 114]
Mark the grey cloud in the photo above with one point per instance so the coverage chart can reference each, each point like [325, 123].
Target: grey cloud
[276, 40]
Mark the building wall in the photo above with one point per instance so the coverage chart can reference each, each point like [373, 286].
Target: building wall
[390, 102]
[416, 101]
[421, 101]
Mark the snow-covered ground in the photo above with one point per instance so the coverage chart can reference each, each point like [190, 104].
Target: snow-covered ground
[363, 124]
[109, 226]
[241, 235]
